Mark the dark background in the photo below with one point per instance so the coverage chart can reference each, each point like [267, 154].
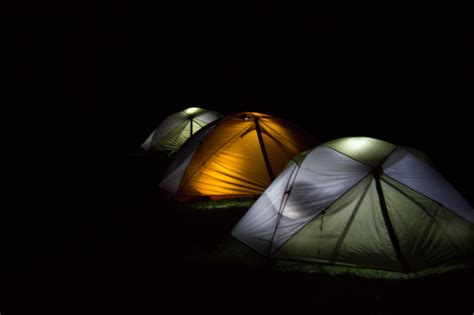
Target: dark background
[124, 68]
[403, 79]
[91, 83]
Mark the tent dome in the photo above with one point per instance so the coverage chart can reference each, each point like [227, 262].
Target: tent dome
[236, 156]
[173, 132]
[360, 202]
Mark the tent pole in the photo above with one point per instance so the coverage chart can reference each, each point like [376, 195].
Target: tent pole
[388, 223]
[264, 151]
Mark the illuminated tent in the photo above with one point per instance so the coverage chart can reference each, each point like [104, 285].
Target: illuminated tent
[177, 128]
[360, 202]
[236, 156]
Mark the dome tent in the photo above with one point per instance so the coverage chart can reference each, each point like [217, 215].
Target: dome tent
[236, 156]
[360, 202]
[177, 128]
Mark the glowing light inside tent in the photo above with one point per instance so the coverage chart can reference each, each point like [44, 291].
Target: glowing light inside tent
[366, 150]
[192, 111]
[359, 143]
[232, 163]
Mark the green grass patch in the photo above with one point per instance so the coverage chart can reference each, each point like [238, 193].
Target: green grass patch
[368, 273]
[243, 203]
[232, 251]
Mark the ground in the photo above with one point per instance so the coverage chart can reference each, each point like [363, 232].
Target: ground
[135, 250]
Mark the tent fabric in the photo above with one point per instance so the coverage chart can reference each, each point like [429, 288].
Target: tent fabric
[420, 176]
[351, 226]
[177, 128]
[341, 207]
[258, 229]
[180, 162]
[227, 158]
[425, 226]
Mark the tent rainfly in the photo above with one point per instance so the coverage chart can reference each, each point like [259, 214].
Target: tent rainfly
[361, 202]
[173, 132]
[234, 157]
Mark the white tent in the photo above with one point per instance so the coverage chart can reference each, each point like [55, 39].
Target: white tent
[360, 202]
[173, 132]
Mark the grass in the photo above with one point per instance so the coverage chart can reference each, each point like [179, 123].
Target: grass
[242, 203]
[368, 273]
[233, 252]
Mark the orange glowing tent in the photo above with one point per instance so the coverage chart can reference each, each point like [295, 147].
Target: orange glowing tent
[235, 156]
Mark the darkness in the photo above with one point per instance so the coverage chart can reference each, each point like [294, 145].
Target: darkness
[91, 83]
[402, 79]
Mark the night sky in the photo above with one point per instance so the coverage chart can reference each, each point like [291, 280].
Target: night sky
[402, 79]
[116, 73]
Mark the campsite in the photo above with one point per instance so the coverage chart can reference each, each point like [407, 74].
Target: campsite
[256, 162]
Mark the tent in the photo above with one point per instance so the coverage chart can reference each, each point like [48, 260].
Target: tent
[236, 156]
[177, 128]
[360, 202]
